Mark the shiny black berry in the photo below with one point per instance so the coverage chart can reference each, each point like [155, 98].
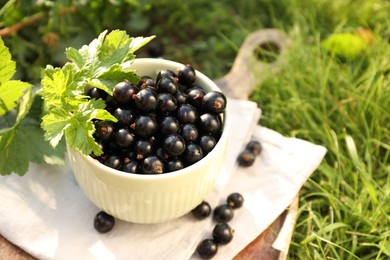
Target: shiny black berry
[174, 165]
[246, 158]
[104, 130]
[214, 102]
[166, 103]
[146, 100]
[187, 75]
[174, 144]
[123, 92]
[143, 148]
[181, 97]
[167, 85]
[163, 155]
[168, 125]
[210, 123]
[123, 138]
[223, 213]
[113, 161]
[165, 74]
[202, 211]
[222, 233]
[155, 49]
[187, 114]
[192, 153]
[103, 222]
[144, 126]
[97, 93]
[235, 200]
[207, 248]
[131, 167]
[207, 142]
[147, 82]
[152, 165]
[254, 146]
[124, 115]
[195, 96]
[189, 132]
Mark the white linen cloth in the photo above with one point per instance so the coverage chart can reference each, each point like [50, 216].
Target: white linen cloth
[46, 214]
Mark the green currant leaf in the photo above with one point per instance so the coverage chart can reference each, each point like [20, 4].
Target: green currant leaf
[54, 124]
[25, 144]
[10, 92]
[7, 65]
[79, 133]
[60, 87]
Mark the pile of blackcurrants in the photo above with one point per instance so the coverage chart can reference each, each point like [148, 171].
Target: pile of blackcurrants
[164, 123]
[222, 232]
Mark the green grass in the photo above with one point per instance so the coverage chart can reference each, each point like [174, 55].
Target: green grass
[344, 207]
[344, 105]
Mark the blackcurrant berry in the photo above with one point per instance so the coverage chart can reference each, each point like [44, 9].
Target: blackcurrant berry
[111, 104]
[147, 82]
[167, 85]
[195, 96]
[123, 92]
[103, 222]
[131, 167]
[166, 103]
[207, 142]
[143, 148]
[155, 49]
[146, 100]
[124, 138]
[124, 115]
[104, 130]
[144, 126]
[129, 156]
[97, 93]
[214, 102]
[168, 125]
[189, 132]
[246, 158]
[162, 154]
[192, 153]
[187, 114]
[254, 146]
[210, 123]
[223, 213]
[174, 165]
[207, 248]
[202, 211]
[174, 144]
[181, 97]
[113, 161]
[235, 200]
[165, 74]
[152, 165]
[187, 75]
[222, 233]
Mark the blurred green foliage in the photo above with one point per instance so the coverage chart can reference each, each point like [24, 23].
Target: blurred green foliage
[204, 33]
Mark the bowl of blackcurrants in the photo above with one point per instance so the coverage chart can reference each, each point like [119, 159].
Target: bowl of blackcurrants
[163, 155]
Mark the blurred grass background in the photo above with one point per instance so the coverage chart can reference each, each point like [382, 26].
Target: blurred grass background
[335, 99]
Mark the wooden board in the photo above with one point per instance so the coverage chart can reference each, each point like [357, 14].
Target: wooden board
[238, 83]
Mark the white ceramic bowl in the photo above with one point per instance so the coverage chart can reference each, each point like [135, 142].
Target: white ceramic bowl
[155, 198]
